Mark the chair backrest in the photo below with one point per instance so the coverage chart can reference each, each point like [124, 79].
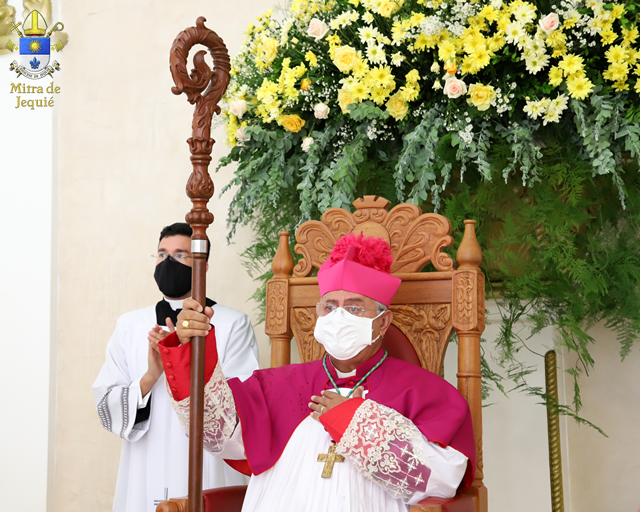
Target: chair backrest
[426, 308]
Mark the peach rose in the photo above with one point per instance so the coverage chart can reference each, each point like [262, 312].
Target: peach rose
[321, 111]
[293, 123]
[549, 23]
[454, 88]
[306, 144]
[238, 107]
[317, 29]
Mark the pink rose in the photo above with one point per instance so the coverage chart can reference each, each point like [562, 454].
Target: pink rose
[549, 23]
[241, 136]
[238, 107]
[321, 111]
[317, 29]
[454, 88]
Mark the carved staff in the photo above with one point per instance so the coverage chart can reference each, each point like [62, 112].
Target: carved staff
[204, 87]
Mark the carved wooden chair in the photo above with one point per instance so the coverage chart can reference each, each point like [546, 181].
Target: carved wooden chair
[426, 308]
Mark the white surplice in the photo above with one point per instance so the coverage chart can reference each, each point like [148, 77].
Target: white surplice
[386, 458]
[154, 457]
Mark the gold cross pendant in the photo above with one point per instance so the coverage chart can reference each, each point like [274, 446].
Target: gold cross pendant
[329, 460]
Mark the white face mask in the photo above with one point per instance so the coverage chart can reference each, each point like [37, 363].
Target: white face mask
[344, 335]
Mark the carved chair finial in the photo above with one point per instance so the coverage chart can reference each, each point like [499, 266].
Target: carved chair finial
[415, 238]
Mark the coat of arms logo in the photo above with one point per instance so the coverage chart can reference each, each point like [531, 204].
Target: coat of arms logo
[35, 47]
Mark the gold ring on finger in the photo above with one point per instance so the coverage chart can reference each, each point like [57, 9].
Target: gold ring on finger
[322, 410]
[185, 324]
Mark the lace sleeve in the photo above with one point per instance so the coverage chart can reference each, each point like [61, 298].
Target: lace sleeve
[388, 449]
[220, 416]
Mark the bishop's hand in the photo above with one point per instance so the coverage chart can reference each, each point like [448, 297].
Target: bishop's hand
[193, 320]
[329, 400]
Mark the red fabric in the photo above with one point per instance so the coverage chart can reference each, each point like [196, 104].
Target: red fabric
[224, 499]
[459, 503]
[240, 465]
[176, 360]
[336, 420]
[398, 346]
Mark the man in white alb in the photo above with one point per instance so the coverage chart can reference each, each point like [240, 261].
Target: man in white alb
[130, 391]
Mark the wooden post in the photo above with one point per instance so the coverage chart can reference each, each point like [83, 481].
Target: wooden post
[468, 321]
[277, 319]
[204, 87]
[553, 431]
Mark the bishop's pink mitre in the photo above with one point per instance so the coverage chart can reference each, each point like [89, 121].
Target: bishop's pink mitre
[360, 264]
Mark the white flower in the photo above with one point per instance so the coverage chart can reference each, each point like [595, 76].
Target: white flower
[396, 59]
[317, 29]
[454, 88]
[437, 85]
[549, 23]
[376, 54]
[241, 136]
[435, 67]
[367, 17]
[238, 107]
[321, 111]
[367, 34]
[306, 144]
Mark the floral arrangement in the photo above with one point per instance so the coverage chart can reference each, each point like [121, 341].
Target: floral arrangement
[510, 105]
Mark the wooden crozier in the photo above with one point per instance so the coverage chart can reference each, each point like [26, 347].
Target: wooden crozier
[204, 87]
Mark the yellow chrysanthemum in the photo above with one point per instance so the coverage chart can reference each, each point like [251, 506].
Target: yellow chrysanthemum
[555, 76]
[488, 13]
[620, 86]
[496, 43]
[382, 76]
[446, 51]
[571, 64]
[480, 59]
[630, 36]
[617, 11]
[616, 72]
[556, 38]
[379, 95]
[637, 86]
[579, 87]
[413, 76]
[607, 35]
[616, 54]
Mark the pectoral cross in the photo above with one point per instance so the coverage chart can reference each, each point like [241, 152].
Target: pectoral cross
[329, 460]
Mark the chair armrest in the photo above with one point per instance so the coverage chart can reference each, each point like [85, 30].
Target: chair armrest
[224, 499]
[221, 499]
[173, 505]
[459, 503]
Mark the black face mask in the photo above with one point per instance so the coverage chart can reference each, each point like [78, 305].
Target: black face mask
[173, 278]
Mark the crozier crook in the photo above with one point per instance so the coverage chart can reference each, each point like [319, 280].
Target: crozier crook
[204, 87]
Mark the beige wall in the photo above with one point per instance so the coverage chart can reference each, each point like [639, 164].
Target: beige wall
[123, 164]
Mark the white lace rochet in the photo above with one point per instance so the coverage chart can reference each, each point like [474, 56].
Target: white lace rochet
[388, 449]
[220, 416]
